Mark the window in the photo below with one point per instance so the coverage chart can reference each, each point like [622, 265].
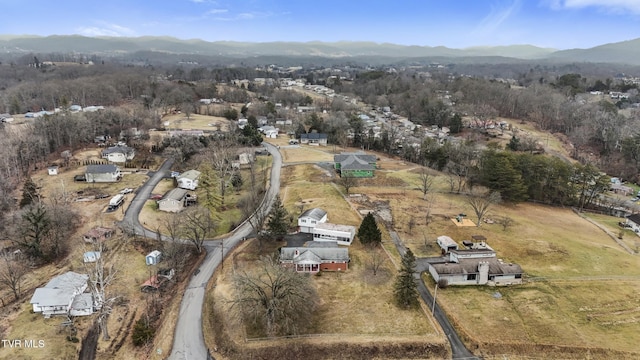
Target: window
[518, 276]
[303, 220]
[471, 276]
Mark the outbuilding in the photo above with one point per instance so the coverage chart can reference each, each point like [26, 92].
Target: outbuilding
[153, 257]
[52, 170]
[342, 234]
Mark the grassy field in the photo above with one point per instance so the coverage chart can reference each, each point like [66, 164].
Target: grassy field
[586, 287]
[197, 122]
[630, 238]
[347, 302]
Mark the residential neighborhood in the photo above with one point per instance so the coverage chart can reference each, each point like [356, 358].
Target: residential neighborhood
[401, 191]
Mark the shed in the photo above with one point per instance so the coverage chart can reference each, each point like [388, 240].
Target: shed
[153, 257]
[91, 256]
[52, 170]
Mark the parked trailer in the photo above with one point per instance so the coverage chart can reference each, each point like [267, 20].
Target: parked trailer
[115, 202]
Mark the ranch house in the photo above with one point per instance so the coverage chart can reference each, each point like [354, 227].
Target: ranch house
[316, 139]
[119, 154]
[64, 295]
[102, 173]
[315, 258]
[357, 165]
[174, 201]
[475, 265]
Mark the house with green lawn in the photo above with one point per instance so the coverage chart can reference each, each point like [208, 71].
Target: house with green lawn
[357, 165]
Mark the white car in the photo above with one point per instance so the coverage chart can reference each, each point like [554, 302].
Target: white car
[126, 191]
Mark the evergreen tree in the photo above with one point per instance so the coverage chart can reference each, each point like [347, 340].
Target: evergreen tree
[406, 290]
[455, 124]
[368, 233]
[29, 193]
[236, 180]
[277, 224]
[514, 144]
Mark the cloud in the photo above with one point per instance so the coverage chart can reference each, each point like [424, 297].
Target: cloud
[615, 6]
[105, 29]
[216, 11]
[245, 16]
[497, 16]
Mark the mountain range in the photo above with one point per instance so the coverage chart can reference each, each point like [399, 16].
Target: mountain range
[626, 52]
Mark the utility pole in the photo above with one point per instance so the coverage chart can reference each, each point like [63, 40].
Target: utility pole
[433, 307]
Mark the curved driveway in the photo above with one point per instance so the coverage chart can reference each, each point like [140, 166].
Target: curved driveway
[188, 340]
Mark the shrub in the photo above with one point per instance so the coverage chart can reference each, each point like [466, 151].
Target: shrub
[142, 332]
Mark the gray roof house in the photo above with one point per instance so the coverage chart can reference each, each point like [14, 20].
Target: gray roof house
[310, 218]
[102, 173]
[313, 259]
[476, 265]
[357, 165]
[119, 154]
[64, 295]
[314, 139]
[173, 201]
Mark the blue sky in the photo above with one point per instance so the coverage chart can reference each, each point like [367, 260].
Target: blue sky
[559, 24]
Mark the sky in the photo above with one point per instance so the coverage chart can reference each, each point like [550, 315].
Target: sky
[558, 24]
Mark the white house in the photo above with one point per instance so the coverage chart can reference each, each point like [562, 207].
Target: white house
[52, 170]
[119, 154]
[64, 295]
[102, 173]
[188, 179]
[310, 218]
[343, 234]
[634, 222]
[153, 257]
[312, 259]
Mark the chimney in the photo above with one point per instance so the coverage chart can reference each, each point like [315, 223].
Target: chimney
[483, 269]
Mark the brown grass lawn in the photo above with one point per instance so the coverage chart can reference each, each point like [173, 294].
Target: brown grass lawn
[630, 238]
[347, 302]
[580, 314]
[590, 297]
[197, 122]
[299, 194]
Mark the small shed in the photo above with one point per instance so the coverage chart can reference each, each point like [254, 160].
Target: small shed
[53, 170]
[153, 257]
[91, 256]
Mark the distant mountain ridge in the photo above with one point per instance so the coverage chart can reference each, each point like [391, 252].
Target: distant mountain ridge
[623, 52]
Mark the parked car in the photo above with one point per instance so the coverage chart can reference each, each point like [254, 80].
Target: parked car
[126, 191]
[102, 196]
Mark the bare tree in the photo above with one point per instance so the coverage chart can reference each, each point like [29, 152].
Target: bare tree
[198, 225]
[101, 275]
[376, 259]
[275, 298]
[482, 203]
[348, 182]
[221, 156]
[411, 224]
[426, 182]
[12, 272]
[174, 250]
[506, 222]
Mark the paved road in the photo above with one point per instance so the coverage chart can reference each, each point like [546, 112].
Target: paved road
[131, 221]
[188, 341]
[458, 350]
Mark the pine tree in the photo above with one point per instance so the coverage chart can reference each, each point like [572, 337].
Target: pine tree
[29, 193]
[406, 290]
[277, 224]
[368, 233]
